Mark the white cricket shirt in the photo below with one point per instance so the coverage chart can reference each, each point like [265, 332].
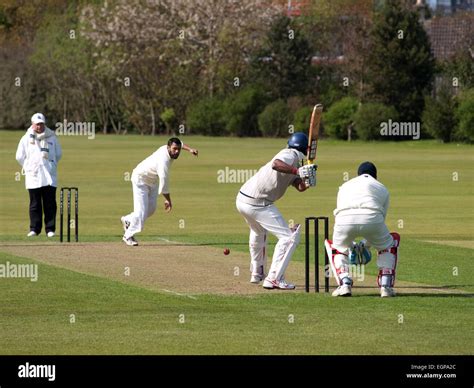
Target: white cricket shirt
[268, 185]
[155, 167]
[362, 198]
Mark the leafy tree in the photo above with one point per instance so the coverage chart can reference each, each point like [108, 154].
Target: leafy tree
[175, 51]
[340, 116]
[283, 65]
[275, 119]
[22, 90]
[206, 116]
[168, 116]
[401, 65]
[65, 63]
[339, 34]
[438, 117]
[302, 119]
[242, 110]
[465, 116]
[368, 118]
[461, 67]
[19, 20]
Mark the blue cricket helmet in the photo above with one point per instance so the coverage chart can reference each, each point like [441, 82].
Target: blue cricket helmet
[298, 141]
[367, 168]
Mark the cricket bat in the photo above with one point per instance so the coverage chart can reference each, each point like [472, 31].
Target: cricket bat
[313, 134]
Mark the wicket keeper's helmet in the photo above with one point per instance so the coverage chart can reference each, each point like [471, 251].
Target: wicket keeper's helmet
[298, 141]
[367, 168]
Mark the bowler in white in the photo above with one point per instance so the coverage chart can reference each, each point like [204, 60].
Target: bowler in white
[150, 179]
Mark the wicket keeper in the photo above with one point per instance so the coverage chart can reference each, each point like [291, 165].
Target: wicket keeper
[362, 205]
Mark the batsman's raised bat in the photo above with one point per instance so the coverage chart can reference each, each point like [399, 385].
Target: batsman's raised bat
[313, 134]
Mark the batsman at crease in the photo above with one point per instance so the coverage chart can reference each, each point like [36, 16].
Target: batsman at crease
[255, 202]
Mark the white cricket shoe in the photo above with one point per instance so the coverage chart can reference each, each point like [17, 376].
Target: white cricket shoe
[50, 234]
[344, 290]
[278, 285]
[130, 241]
[387, 292]
[125, 224]
[31, 234]
[258, 275]
[256, 279]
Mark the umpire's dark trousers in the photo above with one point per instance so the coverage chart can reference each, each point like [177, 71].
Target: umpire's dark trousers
[43, 198]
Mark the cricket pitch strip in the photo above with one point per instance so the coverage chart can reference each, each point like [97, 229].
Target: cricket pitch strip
[186, 270]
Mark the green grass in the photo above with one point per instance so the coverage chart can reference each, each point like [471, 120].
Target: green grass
[418, 174]
[115, 318]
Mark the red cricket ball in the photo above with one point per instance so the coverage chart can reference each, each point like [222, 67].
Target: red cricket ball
[226, 251]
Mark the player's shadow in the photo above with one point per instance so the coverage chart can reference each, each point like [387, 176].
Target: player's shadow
[437, 291]
[437, 295]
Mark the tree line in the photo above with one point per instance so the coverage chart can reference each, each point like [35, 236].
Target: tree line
[229, 67]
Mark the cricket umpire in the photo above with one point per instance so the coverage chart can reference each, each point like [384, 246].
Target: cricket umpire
[38, 153]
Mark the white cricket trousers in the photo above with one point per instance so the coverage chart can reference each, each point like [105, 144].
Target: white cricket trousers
[377, 236]
[263, 219]
[144, 205]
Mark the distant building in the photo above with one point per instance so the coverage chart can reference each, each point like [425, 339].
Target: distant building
[449, 34]
[450, 27]
[449, 7]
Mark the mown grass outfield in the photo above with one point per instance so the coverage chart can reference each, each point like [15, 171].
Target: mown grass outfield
[432, 207]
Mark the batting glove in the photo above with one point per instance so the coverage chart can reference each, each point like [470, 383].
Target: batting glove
[308, 174]
[311, 181]
[307, 171]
